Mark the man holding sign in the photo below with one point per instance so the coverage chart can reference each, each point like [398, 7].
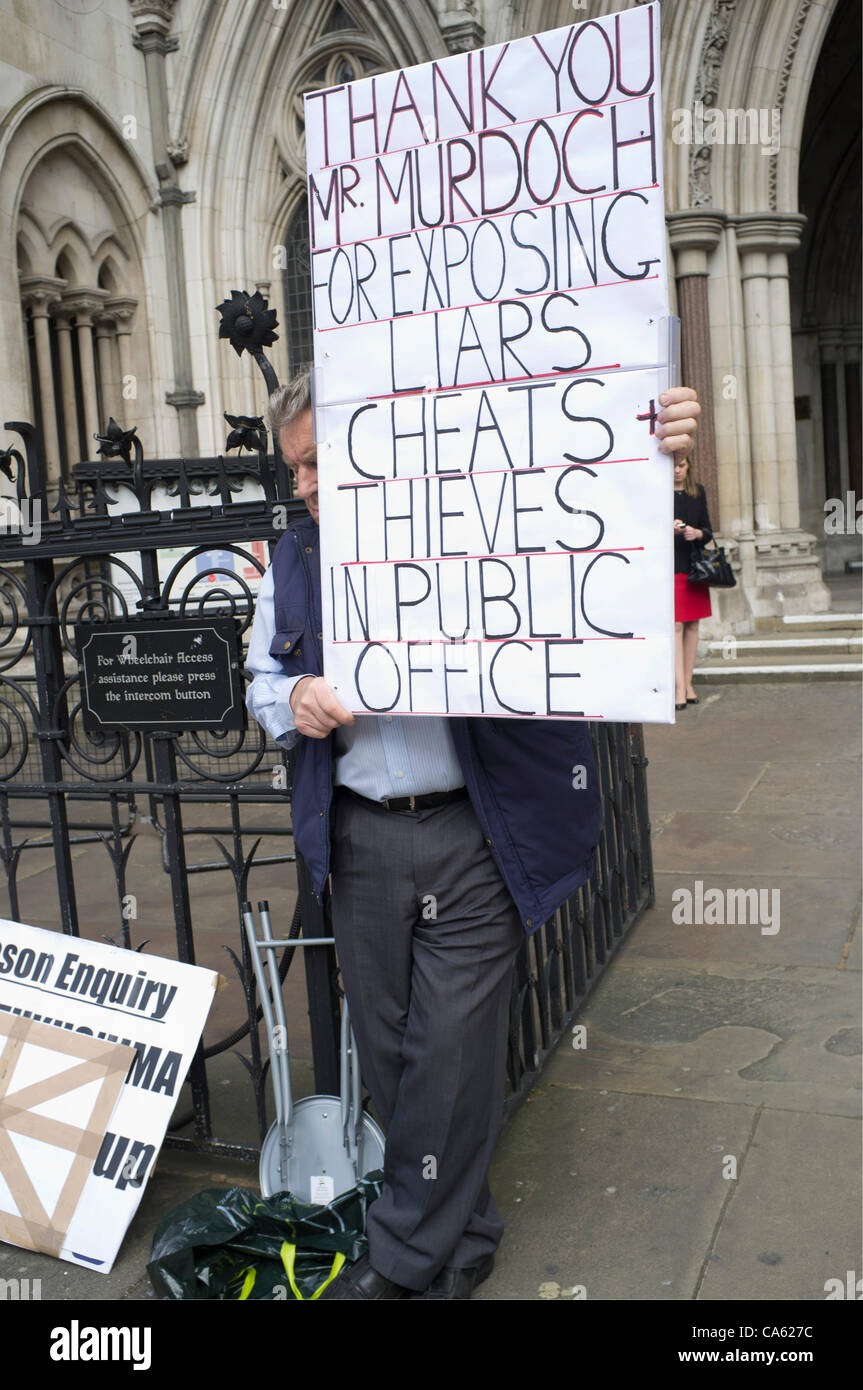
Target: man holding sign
[493, 567]
[450, 839]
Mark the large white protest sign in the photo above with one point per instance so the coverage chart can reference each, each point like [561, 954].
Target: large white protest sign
[76, 1155]
[491, 338]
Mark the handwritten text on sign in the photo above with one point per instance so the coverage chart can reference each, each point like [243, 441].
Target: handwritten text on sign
[488, 278]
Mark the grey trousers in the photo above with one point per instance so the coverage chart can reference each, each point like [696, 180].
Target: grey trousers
[427, 933]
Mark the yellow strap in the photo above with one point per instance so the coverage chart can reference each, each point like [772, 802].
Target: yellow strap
[338, 1261]
[248, 1283]
[289, 1255]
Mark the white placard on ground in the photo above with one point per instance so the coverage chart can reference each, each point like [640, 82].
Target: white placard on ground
[59, 987]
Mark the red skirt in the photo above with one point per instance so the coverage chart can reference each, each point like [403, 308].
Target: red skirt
[691, 601]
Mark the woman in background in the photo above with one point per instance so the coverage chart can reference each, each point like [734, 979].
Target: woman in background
[691, 601]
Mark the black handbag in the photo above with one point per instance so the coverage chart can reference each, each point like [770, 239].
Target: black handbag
[711, 567]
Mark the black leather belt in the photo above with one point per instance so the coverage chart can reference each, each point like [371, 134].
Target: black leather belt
[409, 803]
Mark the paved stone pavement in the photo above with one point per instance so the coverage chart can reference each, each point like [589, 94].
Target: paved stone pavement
[713, 1050]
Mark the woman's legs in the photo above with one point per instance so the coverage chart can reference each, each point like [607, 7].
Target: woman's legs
[690, 646]
[680, 676]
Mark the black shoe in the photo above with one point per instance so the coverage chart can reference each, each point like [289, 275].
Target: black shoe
[458, 1283]
[693, 701]
[683, 706]
[361, 1281]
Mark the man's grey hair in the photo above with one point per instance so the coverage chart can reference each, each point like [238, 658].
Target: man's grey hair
[287, 402]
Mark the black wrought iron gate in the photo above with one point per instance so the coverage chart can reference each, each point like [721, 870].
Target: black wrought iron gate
[86, 560]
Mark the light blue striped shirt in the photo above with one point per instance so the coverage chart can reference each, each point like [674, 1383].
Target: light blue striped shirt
[381, 755]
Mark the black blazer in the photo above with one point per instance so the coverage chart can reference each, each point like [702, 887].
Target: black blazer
[692, 510]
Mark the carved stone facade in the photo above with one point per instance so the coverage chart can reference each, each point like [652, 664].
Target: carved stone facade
[153, 163]
[707, 84]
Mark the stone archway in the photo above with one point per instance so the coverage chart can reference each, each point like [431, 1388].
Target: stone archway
[734, 227]
[61, 141]
[825, 297]
[250, 187]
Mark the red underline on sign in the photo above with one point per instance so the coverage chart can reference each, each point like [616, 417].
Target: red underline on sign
[509, 555]
[481, 472]
[484, 304]
[490, 217]
[474, 134]
[473, 385]
[475, 714]
[463, 641]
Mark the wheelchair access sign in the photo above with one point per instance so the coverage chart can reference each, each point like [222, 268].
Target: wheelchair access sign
[147, 673]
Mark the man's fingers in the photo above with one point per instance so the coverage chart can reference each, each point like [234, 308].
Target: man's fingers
[682, 419]
[298, 692]
[678, 421]
[677, 435]
[311, 720]
[675, 394]
[680, 410]
[317, 709]
[676, 443]
[312, 728]
[333, 707]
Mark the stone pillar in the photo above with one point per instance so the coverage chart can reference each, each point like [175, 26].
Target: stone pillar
[123, 312]
[67, 386]
[759, 369]
[106, 351]
[788, 572]
[40, 293]
[152, 20]
[693, 235]
[831, 435]
[783, 375]
[85, 305]
[853, 384]
[839, 352]
[831, 349]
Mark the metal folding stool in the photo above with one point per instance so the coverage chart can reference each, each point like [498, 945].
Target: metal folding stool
[319, 1146]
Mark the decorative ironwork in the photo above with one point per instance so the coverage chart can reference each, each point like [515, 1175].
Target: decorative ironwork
[12, 464]
[248, 325]
[117, 444]
[558, 966]
[247, 432]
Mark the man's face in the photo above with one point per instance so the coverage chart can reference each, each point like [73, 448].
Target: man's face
[301, 455]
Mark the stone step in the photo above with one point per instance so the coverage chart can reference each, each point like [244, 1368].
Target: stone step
[820, 621]
[775, 647]
[715, 670]
[809, 622]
